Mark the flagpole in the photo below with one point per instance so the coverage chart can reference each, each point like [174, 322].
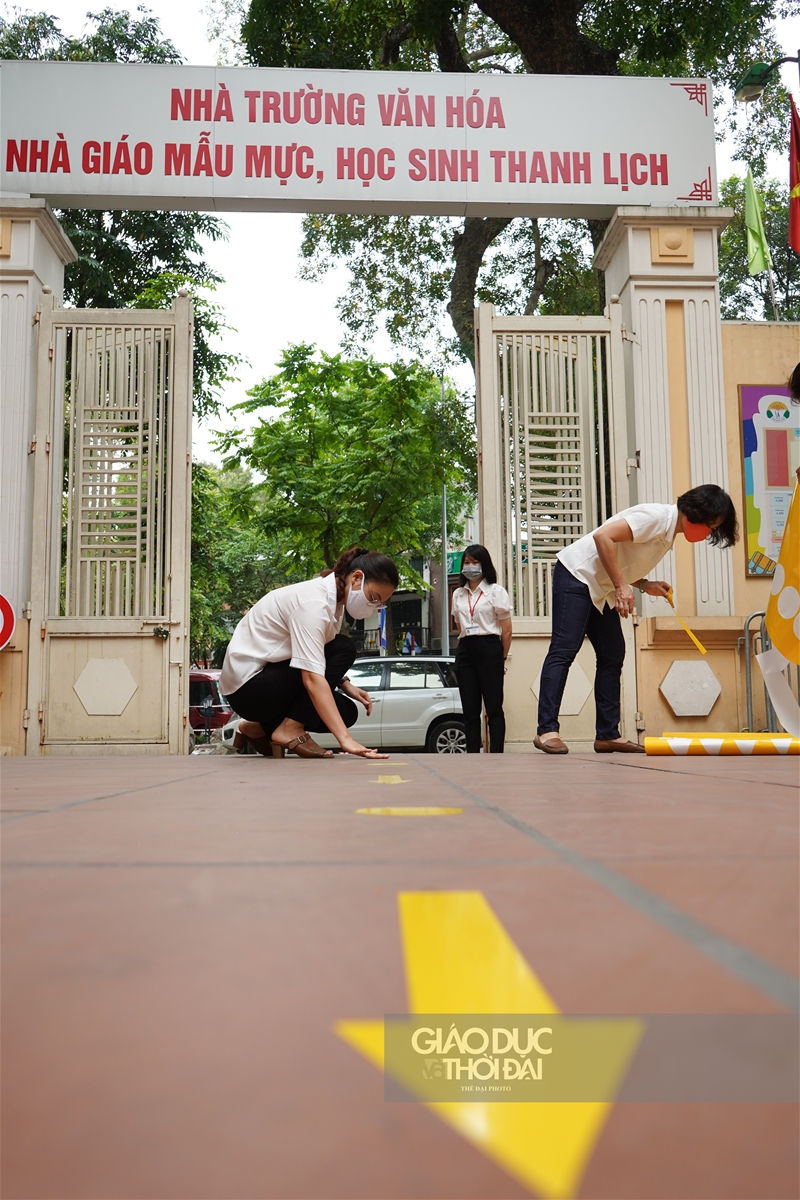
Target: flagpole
[772, 294]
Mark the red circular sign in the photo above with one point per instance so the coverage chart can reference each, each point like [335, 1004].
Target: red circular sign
[7, 622]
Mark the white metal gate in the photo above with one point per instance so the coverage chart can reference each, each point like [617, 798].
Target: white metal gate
[108, 671]
[553, 464]
[553, 440]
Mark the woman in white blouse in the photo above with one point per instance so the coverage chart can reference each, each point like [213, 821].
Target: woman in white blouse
[285, 669]
[483, 612]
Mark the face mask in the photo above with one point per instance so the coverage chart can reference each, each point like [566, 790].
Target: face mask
[472, 571]
[694, 532]
[358, 605]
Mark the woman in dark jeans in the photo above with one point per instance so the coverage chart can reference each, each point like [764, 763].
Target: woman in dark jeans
[482, 610]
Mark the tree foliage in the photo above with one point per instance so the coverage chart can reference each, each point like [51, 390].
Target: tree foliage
[746, 297]
[126, 254]
[352, 450]
[409, 266]
[117, 37]
[236, 556]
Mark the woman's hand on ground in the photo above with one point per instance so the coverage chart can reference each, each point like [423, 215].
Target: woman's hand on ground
[351, 746]
[624, 600]
[656, 587]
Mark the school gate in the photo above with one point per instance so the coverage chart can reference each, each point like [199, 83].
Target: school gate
[577, 417]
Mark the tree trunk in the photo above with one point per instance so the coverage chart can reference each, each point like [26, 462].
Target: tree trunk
[469, 247]
[543, 270]
[597, 229]
[546, 32]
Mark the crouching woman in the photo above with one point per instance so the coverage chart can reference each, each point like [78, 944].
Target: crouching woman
[285, 670]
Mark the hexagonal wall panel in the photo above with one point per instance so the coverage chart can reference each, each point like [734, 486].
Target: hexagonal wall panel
[576, 693]
[690, 688]
[104, 687]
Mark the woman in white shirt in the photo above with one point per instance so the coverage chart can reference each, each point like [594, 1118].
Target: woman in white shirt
[592, 590]
[482, 610]
[285, 669]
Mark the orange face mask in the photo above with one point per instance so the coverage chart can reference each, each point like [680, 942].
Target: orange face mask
[694, 532]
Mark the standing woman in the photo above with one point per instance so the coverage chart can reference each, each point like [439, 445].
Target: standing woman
[285, 669]
[483, 612]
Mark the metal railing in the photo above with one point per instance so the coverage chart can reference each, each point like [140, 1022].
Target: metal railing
[758, 643]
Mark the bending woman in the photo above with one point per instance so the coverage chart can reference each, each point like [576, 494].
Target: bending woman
[285, 669]
[483, 612]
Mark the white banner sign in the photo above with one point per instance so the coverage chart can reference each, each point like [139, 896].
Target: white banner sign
[128, 135]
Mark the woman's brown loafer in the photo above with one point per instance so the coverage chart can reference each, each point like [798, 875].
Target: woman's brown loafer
[551, 746]
[604, 747]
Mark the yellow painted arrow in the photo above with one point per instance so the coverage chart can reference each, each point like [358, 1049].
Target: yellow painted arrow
[460, 959]
[409, 812]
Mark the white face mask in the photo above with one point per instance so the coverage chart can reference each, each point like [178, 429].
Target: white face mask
[358, 605]
[472, 571]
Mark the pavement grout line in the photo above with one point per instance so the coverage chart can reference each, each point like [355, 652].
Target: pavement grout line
[640, 766]
[300, 862]
[739, 961]
[109, 796]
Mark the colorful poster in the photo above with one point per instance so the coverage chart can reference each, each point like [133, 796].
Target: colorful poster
[771, 448]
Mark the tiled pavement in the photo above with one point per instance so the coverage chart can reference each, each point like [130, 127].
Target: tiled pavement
[181, 935]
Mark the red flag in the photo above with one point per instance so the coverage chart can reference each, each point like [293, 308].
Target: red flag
[794, 182]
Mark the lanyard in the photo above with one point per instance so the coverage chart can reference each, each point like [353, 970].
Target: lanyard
[472, 607]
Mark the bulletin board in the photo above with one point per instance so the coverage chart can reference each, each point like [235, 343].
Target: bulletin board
[771, 453]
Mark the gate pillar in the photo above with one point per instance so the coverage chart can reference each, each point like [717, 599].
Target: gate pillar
[33, 252]
[662, 264]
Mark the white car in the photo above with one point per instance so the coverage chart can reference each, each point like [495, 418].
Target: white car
[415, 705]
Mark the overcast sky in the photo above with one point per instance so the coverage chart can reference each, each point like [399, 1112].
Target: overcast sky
[262, 296]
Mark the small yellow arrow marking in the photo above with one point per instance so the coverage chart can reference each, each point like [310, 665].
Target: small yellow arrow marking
[389, 779]
[409, 812]
[460, 959]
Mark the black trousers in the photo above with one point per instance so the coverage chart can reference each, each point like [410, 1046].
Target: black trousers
[479, 667]
[575, 617]
[277, 692]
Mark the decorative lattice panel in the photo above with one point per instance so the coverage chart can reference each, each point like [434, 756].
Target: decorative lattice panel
[555, 483]
[115, 508]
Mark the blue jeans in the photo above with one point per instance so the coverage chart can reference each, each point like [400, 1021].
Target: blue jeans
[575, 617]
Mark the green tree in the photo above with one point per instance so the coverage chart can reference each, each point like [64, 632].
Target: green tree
[415, 260]
[352, 450]
[212, 368]
[124, 254]
[236, 556]
[746, 297]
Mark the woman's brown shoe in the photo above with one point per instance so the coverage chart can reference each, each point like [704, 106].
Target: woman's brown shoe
[261, 745]
[606, 747]
[551, 746]
[303, 746]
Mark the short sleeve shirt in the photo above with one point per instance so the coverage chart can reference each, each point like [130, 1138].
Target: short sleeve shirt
[653, 527]
[486, 607]
[294, 622]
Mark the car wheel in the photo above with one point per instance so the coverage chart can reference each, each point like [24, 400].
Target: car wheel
[447, 738]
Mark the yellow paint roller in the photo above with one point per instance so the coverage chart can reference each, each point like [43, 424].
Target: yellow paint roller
[697, 643]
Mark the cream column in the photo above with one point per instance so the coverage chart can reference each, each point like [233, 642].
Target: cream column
[662, 263]
[33, 252]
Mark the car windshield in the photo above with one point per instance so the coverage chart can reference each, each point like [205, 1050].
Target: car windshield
[366, 675]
